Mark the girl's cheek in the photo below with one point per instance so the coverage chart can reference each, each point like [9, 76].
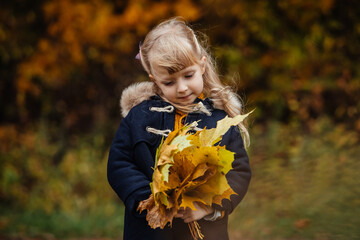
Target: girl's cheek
[169, 90]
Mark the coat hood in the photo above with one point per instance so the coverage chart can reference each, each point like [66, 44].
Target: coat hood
[142, 91]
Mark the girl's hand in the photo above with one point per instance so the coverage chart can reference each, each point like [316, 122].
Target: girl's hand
[189, 215]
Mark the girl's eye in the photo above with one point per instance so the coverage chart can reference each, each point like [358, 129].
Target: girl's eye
[189, 75]
[168, 83]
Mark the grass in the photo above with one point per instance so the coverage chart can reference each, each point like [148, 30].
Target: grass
[307, 187]
[103, 221]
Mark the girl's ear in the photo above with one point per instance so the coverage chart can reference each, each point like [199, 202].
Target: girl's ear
[203, 64]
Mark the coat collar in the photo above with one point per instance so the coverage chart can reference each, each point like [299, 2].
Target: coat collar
[139, 92]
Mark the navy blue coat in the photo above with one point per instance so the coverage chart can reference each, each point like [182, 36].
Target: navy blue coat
[131, 159]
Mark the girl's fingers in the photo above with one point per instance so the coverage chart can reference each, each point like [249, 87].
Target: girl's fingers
[187, 220]
[189, 215]
[179, 215]
[190, 219]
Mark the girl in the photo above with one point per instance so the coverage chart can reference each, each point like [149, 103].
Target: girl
[184, 88]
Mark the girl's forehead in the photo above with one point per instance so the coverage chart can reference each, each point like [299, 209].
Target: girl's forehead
[162, 71]
[171, 65]
[159, 70]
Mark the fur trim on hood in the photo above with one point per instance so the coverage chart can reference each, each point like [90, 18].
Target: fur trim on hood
[139, 92]
[135, 94]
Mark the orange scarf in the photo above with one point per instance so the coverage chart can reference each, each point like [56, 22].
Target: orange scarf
[179, 116]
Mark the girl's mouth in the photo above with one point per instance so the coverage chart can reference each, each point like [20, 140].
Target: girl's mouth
[185, 97]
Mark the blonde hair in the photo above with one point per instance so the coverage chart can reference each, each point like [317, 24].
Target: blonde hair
[174, 46]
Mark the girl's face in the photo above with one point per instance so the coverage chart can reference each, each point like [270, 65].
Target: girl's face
[182, 87]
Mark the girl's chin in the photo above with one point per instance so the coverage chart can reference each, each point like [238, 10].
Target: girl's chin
[186, 101]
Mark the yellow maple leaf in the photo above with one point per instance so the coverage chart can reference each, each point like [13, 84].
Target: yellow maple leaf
[189, 168]
[212, 136]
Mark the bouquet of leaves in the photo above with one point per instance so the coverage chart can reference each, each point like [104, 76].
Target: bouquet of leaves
[189, 168]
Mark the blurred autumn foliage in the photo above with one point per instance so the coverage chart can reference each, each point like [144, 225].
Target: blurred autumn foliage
[63, 65]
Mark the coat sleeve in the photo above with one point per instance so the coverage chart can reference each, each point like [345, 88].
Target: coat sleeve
[124, 176]
[239, 176]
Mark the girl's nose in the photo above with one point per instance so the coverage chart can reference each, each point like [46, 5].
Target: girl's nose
[182, 87]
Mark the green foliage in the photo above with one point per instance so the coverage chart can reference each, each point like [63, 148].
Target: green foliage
[305, 185]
